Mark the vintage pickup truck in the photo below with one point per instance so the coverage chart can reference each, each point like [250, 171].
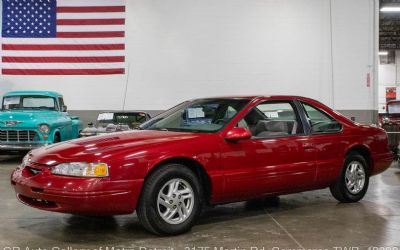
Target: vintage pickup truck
[30, 119]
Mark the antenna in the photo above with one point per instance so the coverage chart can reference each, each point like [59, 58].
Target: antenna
[126, 86]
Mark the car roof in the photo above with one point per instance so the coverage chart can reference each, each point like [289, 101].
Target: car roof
[272, 97]
[33, 92]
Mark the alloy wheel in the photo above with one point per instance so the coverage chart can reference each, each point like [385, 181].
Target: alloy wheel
[355, 177]
[175, 201]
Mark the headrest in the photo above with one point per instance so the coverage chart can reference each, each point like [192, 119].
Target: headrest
[277, 126]
[252, 117]
[272, 126]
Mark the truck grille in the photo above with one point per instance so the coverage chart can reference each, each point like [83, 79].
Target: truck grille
[17, 135]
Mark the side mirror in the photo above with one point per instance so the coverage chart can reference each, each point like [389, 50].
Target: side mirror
[64, 108]
[237, 134]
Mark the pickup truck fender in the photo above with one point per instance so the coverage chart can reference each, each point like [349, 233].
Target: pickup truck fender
[77, 126]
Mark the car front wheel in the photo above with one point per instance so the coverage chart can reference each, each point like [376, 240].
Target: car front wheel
[353, 182]
[170, 201]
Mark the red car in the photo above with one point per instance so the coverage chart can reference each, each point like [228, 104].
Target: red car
[205, 152]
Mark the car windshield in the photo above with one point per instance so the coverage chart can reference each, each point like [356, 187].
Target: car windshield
[29, 102]
[207, 115]
[133, 120]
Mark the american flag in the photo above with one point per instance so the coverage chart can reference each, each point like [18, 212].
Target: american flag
[63, 37]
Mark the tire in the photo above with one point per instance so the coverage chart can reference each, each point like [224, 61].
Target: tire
[150, 210]
[342, 190]
[57, 138]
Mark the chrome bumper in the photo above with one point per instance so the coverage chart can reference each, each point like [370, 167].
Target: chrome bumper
[82, 135]
[20, 146]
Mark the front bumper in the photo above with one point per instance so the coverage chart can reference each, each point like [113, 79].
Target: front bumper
[82, 134]
[38, 188]
[20, 146]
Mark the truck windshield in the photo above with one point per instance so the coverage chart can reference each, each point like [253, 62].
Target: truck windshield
[29, 102]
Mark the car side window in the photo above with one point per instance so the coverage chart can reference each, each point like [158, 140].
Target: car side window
[320, 122]
[272, 119]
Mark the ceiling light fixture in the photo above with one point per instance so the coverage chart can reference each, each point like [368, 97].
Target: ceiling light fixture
[383, 53]
[390, 9]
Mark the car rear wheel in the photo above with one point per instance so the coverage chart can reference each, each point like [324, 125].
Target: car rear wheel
[170, 201]
[353, 182]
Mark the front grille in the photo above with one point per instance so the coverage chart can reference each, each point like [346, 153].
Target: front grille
[17, 135]
[37, 202]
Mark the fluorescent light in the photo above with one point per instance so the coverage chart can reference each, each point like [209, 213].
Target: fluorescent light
[383, 53]
[390, 9]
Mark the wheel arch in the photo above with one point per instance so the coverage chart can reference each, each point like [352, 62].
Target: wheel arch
[363, 151]
[56, 132]
[194, 166]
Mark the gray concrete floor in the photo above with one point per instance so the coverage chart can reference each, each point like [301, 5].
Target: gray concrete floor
[310, 220]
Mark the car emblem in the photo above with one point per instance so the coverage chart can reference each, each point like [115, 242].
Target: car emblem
[12, 123]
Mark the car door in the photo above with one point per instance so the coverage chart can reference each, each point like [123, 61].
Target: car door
[278, 158]
[325, 134]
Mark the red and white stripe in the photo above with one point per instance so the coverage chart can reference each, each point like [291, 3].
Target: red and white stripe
[90, 40]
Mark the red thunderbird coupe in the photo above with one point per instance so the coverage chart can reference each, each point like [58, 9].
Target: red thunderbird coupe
[205, 152]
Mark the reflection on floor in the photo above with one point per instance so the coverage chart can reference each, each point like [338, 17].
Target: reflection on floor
[306, 220]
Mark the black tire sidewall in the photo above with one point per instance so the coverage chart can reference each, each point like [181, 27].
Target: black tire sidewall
[346, 193]
[172, 171]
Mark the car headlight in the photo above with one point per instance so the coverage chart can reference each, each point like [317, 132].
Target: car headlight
[81, 169]
[44, 128]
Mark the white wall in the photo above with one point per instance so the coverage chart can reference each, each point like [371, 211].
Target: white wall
[355, 54]
[180, 49]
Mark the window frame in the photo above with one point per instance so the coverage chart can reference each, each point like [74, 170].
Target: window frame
[297, 111]
[307, 119]
[61, 103]
[21, 101]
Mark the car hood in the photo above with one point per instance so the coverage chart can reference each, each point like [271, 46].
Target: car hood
[112, 146]
[27, 118]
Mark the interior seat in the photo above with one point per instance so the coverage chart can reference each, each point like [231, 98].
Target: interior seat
[275, 128]
[252, 119]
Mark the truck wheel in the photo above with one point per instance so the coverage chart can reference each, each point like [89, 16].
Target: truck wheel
[170, 201]
[353, 182]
